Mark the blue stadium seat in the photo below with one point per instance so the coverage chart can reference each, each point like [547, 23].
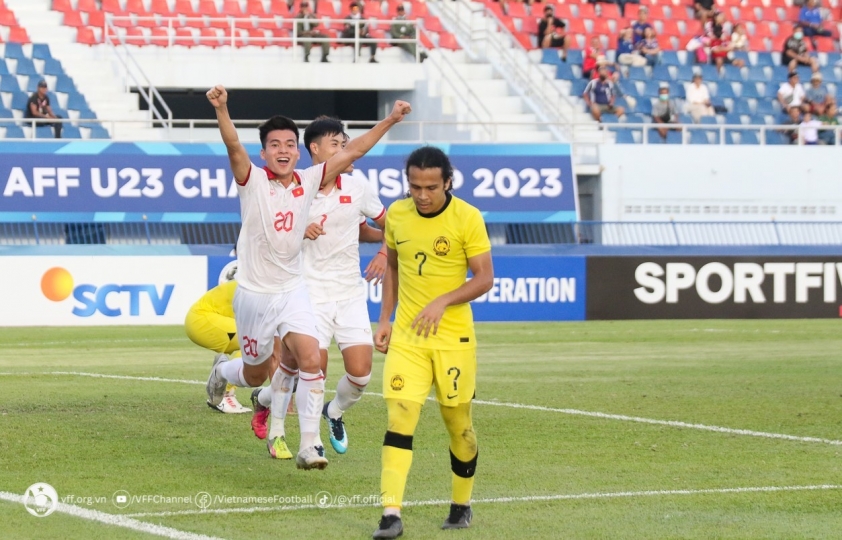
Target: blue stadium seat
[725, 90]
[651, 89]
[550, 56]
[741, 106]
[638, 118]
[575, 56]
[32, 84]
[9, 83]
[14, 50]
[733, 118]
[99, 132]
[746, 136]
[41, 51]
[757, 119]
[644, 106]
[70, 132]
[780, 74]
[577, 87]
[756, 74]
[661, 73]
[750, 91]
[677, 90]
[670, 58]
[673, 137]
[707, 120]
[53, 67]
[698, 136]
[624, 136]
[764, 106]
[830, 74]
[26, 67]
[709, 72]
[833, 58]
[44, 132]
[731, 73]
[741, 55]
[776, 137]
[608, 118]
[14, 132]
[88, 114]
[684, 73]
[638, 74]
[76, 101]
[19, 100]
[804, 73]
[65, 84]
[5, 113]
[563, 71]
[4, 69]
[764, 59]
[685, 119]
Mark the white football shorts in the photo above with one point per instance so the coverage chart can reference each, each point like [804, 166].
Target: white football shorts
[345, 320]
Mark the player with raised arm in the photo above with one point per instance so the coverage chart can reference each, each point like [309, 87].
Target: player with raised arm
[433, 240]
[271, 302]
[332, 272]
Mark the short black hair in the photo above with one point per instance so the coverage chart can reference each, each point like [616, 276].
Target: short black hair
[431, 157]
[276, 123]
[322, 126]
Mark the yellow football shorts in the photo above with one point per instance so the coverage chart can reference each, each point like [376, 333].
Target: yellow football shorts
[212, 331]
[410, 372]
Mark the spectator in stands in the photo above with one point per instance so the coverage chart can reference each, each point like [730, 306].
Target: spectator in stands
[795, 51]
[592, 52]
[557, 38]
[664, 110]
[600, 96]
[698, 99]
[640, 25]
[308, 27]
[816, 94]
[38, 106]
[648, 47]
[827, 116]
[626, 54]
[739, 39]
[793, 119]
[354, 27]
[704, 9]
[810, 18]
[545, 24]
[619, 93]
[791, 93]
[720, 47]
[401, 29]
[809, 131]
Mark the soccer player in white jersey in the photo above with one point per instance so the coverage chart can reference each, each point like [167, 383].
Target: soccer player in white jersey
[271, 303]
[337, 290]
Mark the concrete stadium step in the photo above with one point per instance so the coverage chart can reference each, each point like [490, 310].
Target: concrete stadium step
[505, 105]
[490, 88]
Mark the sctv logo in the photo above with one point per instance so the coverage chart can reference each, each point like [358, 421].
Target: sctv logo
[109, 299]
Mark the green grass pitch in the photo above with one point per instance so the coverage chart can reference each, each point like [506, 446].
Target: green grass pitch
[554, 470]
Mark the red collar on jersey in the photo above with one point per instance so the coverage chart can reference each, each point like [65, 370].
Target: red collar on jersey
[338, 181]
[271, 176]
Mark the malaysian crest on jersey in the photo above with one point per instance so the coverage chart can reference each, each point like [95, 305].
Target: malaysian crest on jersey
[397, 383]
[441, 245]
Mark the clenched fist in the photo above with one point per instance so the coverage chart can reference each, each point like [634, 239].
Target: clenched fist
[401, 109]
[218, 96]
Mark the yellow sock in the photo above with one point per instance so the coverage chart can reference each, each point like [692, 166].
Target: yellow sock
[229, 388]
[396, 464]
[463, 451]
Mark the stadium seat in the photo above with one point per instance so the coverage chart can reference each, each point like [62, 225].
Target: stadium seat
[73, 19]
[9, 83]
[448, 41]
[62, 6]
[14, 132]
[86, 36]
[699, 136]
[776, 137]
[661, 73]
[731, 73]
[44, 132]
[733, 119]
[76, 101]
[609, 118]
[624, 136]
[638, 74]
[741, 136]
[19, 100]
[14, 51]
[4, 70]
[749, 90]
[99, 132]
[724, 90]
[563, 71]
[70, 131]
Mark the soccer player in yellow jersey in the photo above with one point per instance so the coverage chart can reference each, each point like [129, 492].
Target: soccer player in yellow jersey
[210, 324]
[433, 240]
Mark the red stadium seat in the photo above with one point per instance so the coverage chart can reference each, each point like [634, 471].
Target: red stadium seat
[135, 36]
[418, 9]
[671, 28]
[73, 18]
[207, 7]
[86, 36]
[826, 45]
[754, 3]
[111, 6]
[160, 37]
[425, 41]
[87, 6]
[209, 37]
[161, 7]
[257, 37]
[267, 23]
[7, 18]
[184, 7]
[432, 24]
[96, 18]
[232, 8]
[767, 14]
[656, 13]
[135, 6]
[517, 10]
[147, 20]
[122, 19]
[777, 42]
[61, 5]
[530, 25]
[527, 40]
[255, 7]
[184, 37]
[279, 7]
[631, 11]
[563, 12]
[18, 35]
[448, 41]
[600, 26]
[763, 30]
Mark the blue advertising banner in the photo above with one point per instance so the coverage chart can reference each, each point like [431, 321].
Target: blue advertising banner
[161, 181]
[526, 288]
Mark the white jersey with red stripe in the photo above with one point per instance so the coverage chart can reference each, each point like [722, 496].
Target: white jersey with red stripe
[332, 261]
[274, 219]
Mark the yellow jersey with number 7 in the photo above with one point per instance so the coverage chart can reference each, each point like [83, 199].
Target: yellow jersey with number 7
[433, 252]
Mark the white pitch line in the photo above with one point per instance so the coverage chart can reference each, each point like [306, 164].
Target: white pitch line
[495, 500]
[116, 520]
[574, 412]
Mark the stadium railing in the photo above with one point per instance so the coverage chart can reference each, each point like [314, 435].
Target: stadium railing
[668, 233]
[412, 131]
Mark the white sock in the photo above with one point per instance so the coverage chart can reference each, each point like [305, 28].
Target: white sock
[310, 399]
[232, 372]
[392, 511]
[281, 393]
[349, 391]
[264, 397]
